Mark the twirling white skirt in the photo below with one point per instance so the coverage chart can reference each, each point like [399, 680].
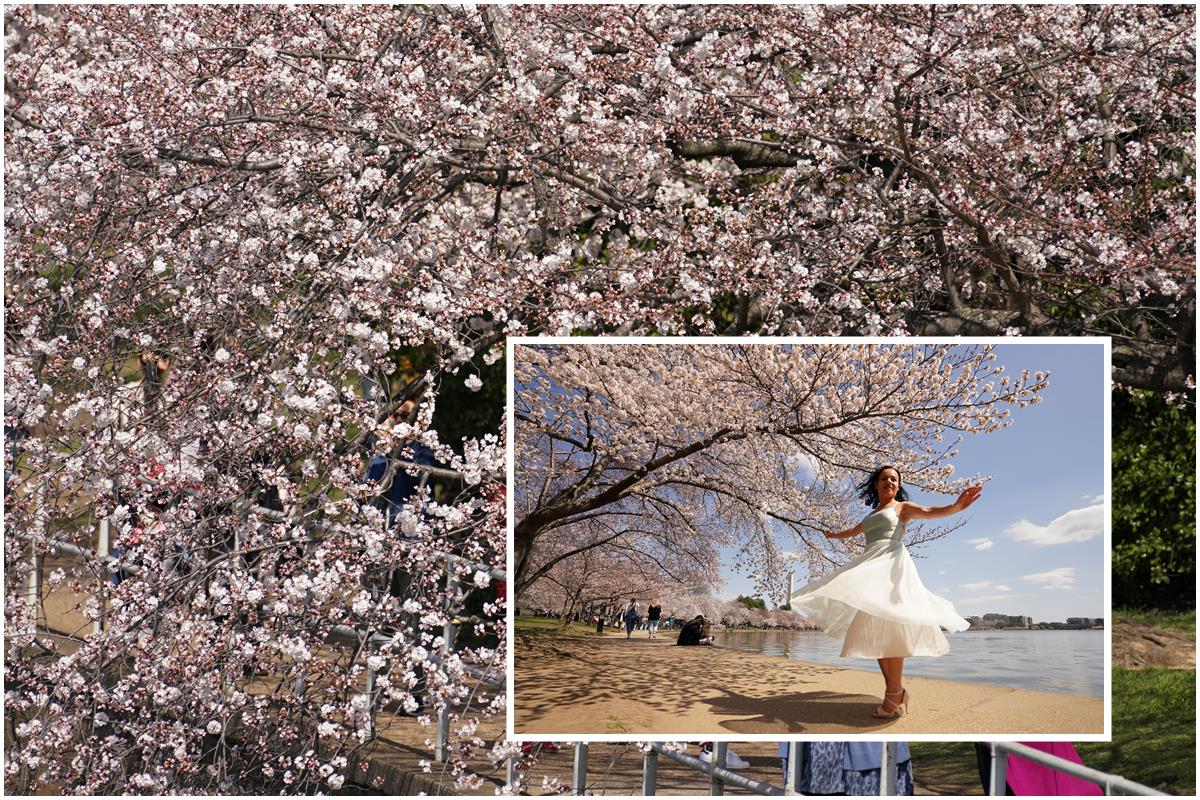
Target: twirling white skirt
[877, 601]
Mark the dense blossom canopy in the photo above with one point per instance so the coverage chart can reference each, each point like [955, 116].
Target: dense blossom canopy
[229, 229]
[795, 169]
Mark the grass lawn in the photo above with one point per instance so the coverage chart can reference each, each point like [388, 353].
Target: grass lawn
[1154, 730]
[945, 767]
[544, 626]
[1182, 621]
[1154, 738]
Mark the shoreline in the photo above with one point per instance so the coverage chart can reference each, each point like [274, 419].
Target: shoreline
[968, 630]
[611, 685]
[1089, 683]
[914, 676]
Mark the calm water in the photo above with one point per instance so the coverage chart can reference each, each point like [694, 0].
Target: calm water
[1047, 661]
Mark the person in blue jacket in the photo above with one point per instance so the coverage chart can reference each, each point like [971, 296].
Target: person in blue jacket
[404, 485]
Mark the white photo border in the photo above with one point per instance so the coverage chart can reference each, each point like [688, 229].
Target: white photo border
[879, 736]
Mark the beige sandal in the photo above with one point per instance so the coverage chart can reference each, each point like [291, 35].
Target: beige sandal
[899, 709]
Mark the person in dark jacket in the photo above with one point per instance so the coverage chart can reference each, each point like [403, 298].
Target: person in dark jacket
[653, 617]
[631, 616]
[693, 632]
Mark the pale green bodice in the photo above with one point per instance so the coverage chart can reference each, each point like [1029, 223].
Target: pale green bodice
[883, 525]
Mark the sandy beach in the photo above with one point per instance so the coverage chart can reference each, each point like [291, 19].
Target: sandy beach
[611, 685]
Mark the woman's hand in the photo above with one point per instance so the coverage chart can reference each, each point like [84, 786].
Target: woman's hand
[968, 497]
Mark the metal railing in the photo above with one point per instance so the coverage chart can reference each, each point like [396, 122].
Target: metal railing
[720, 775]
[370, 642]
[1111, 784]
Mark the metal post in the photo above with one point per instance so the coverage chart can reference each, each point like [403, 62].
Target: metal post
[999, 771]
[370, 690]
[795, 768]
[579, 771]
[887, 776]
[511, 774]
[102, 551]
[720, 755]
[33, 584]
[649, 773]
[448, 632]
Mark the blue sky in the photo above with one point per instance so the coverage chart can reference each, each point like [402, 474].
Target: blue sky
[1033, 544]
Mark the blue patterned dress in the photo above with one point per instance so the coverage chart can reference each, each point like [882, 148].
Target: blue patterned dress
[850, 768]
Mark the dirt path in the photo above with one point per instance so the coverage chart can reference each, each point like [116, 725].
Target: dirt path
[1137, 645]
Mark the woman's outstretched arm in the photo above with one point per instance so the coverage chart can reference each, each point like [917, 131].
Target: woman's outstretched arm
[910, 511]
[855, 531]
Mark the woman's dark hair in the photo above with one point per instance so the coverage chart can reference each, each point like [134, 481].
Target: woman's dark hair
[870, 495]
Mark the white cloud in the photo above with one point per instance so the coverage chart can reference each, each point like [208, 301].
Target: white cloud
[986, 598]
[807, 465]
[978, 585]
[1077, 525]
[1061, 578]
[981, 544]
[1092, 498]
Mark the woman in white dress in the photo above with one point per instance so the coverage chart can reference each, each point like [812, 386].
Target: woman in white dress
[877, 601]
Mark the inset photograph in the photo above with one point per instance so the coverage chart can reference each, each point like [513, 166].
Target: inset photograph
[758, 537]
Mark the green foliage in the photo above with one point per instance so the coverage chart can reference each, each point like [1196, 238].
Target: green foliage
[460, 412]
[752, 602]
[463, 413]
[1154, 502]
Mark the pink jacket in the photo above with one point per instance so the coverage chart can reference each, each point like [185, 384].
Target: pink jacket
[1027, 778]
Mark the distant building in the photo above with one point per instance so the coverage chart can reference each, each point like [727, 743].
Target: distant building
[1004, 621]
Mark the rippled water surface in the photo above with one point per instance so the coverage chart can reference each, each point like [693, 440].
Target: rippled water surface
[1047, 661]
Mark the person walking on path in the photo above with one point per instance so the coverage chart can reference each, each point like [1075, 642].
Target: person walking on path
[877, 601]
[632, 614]
[653, 616]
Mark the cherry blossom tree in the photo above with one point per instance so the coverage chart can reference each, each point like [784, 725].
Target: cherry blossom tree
[596, 563]
[714, 441]
[730, 613]
[794, 169]
[239, 240]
